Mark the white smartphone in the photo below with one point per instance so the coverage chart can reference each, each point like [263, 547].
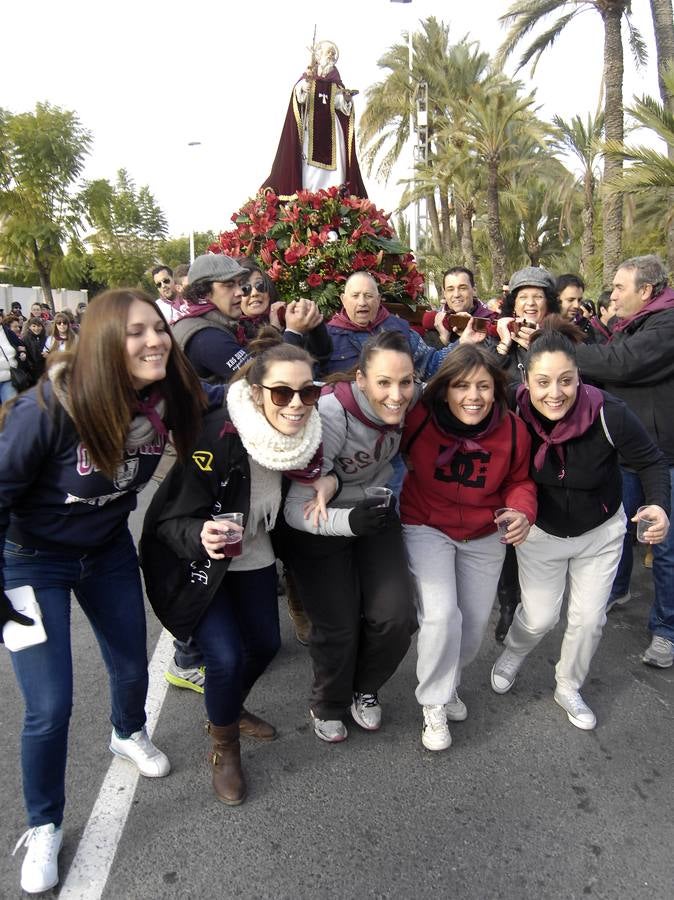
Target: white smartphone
[18, 637]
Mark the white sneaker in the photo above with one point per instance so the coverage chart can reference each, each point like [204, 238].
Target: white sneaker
[435, 733]
[39, 871]
[504, 671]
[140, 750]
[366, 711]
[332, 731]
[577, 710]
[456, 709]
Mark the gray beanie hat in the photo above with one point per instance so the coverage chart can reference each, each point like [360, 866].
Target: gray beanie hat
[215, 267]
[532, 276]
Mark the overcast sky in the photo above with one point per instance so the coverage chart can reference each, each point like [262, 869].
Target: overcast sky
[149, 77]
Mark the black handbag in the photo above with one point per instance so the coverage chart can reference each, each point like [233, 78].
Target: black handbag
[20, 379]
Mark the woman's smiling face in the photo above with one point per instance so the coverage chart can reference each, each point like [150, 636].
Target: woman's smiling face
[255, 301]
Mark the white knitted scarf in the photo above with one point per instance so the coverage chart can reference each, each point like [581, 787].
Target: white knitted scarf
[272, 451]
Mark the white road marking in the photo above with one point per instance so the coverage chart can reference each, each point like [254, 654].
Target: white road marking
[88, 873]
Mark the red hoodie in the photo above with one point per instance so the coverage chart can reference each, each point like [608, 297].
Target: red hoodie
[460, 497]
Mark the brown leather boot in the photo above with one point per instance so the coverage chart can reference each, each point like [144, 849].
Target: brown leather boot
[225, 757]
[298, 617]
[253, 726]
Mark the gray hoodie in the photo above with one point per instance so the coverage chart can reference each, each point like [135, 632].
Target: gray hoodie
[348, 449]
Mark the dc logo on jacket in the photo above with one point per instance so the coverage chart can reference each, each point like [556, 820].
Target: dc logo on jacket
[466, 468]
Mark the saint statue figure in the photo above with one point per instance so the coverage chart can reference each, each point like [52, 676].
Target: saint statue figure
[317, 147]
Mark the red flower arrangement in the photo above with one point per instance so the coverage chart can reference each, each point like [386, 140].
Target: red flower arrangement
[310, 245]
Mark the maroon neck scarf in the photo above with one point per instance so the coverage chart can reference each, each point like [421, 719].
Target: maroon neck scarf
[589, 401]
[148, 408]
[464, 443]
[194, 310]
[664, 300]
[344, 393]
[341, 320]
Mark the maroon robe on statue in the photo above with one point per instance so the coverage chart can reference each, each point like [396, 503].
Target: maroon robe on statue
[286, 173]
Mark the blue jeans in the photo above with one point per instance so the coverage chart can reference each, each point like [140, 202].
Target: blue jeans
[7, 391]
[661, 619]
[107, 586]
[239, 636]
[187, 654]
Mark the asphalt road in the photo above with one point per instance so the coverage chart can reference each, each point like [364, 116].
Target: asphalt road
[523, 806]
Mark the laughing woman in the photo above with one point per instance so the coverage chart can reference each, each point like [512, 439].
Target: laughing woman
[349, 565]
[74, 452]
[468, 460]
[577, 432]
[201, 582]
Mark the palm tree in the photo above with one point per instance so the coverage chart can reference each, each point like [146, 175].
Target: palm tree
[495, 123]
[523, 17]
[663, 26]
[449, 73]
[650, 172]
[582, 140]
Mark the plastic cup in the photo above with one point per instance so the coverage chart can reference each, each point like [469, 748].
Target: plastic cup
[505, 523]
[233, 538]
[644, 522]
[383, 494]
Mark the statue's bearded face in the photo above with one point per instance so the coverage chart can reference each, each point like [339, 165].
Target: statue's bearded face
[326, 58]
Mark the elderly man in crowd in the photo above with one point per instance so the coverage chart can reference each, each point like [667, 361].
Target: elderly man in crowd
[363, 315]
[637, 365]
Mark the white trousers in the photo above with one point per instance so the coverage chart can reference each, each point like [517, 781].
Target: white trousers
[455, 589]
[590, 561]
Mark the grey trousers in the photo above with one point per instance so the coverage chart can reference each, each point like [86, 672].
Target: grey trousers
[455, 588]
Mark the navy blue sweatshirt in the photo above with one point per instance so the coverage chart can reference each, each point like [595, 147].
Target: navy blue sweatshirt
[51, 495]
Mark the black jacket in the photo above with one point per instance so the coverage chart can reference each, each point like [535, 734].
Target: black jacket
[180, 578]
[638, 366]
[587, 491]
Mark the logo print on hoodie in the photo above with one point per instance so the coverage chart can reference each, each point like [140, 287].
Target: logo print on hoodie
[469, 469]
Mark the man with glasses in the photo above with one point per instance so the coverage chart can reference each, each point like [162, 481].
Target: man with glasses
[168, 300]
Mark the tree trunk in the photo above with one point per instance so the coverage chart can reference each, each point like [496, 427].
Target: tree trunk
[446, 223]
[587, 218]
[435, 224]
[612, 205]
[663, 25]
[467, 248]
[45, 277]
[498, 250]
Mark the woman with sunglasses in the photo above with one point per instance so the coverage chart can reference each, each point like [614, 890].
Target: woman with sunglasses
[261, 305]
[214, 579]
[62, 337]
[348, 561]
[74, 452]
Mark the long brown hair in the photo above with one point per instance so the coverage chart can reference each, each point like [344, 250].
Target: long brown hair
[71, 339]
[102, 395]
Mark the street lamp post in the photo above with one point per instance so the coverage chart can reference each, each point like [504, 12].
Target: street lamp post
[192, 144]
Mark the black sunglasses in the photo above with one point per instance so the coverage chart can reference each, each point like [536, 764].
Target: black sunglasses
[163, 281]
[283, 396]
[247, 289]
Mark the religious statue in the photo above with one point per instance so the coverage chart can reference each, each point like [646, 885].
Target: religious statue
[317, 147]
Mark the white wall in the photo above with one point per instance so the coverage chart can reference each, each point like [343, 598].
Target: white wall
[27, 296]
